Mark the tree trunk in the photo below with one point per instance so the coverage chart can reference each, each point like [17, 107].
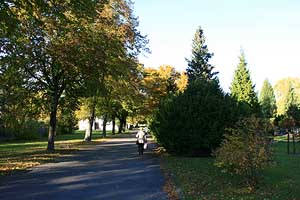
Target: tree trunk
[113, 125]
[52, 125]
[294, 148]
[89, 130]
[124, 124]
[87, 135]
[120, 126]
[288, 141]
[104, 125]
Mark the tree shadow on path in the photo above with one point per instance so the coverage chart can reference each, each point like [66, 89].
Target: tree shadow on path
[112, 170]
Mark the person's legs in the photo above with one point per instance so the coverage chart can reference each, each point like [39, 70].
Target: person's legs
[140, 147]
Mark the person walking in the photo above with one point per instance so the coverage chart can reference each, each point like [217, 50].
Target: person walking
[140, 141]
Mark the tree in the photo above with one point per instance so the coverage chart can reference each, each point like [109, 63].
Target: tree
[66, 114]
[198, 65]
[242, 89]
[283, 90]
[245, 151]
[19, 106]
[182, 82]
[119, 59]
[267, 100]
[193, 122]
[158, 84]
[53, 44]
[47, 45]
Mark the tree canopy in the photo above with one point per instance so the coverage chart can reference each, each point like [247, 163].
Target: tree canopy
[62, 47]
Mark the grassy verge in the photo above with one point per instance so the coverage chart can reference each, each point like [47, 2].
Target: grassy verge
[20, 155]
[199, 179]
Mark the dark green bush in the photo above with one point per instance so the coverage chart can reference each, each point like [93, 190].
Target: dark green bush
[66, 122]
[192, 123]
[30, 130]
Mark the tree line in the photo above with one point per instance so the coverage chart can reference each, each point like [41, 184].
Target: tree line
[236, 127]
[66, 61]
[195, 120]
[56, 56]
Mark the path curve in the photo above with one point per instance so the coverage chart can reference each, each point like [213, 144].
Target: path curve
[112, 170]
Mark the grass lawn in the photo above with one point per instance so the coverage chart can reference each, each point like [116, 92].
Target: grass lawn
[198, 178]
[19, 155]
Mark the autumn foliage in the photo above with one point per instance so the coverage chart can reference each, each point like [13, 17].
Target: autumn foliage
[245, 150]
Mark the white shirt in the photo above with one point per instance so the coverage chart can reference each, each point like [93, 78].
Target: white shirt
[140, 134]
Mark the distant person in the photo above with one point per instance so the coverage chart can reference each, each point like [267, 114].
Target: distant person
[141, 139]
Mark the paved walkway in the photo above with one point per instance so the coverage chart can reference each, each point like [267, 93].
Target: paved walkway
[112, 170]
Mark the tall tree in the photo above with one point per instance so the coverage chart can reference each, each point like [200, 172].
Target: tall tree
[48, 46]
[119, 59]
[242, 88]
[198, 65]
[61, 44]
[267, 100]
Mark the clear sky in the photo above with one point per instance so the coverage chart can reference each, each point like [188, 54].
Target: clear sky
[267, 30]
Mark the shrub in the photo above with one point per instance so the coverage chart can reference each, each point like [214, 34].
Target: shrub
[66, 122]
[30, 129]
[245, 150]
[192, 123]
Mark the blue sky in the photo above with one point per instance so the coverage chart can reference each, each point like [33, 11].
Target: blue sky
[268, 31]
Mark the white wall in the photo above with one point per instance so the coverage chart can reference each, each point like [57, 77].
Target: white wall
[83, 124]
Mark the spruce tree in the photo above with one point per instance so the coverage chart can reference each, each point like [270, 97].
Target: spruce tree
[242, 89]
[198, 65]
[267, 100]
[193, 122]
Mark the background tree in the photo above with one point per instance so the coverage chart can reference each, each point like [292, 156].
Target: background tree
[198, 65]
[267, 100]
[193, 122]
[66, 116]
[158, 84]
[282, 90]
[242, 89]
[19, 105]
[119, 57]
[182, 82]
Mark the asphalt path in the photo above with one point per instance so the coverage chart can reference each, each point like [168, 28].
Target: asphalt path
[112, 170]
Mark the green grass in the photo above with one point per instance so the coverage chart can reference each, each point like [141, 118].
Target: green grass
[20, 155]
[198, 178]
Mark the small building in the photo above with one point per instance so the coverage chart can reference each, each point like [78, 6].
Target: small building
[97, 125]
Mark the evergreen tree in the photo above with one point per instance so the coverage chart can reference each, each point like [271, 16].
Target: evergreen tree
[242, 89]
[198, 65]
[267, 100]
[193, 122]
[291, 98]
